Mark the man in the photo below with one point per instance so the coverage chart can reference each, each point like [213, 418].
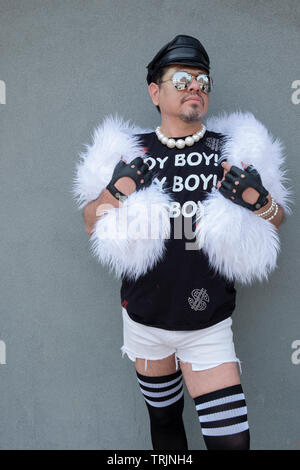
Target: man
[178, 290]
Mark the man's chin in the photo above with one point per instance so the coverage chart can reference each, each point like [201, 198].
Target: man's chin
[192, 115]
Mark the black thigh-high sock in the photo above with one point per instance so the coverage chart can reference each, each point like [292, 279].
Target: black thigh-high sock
[223, 419]
[165, 401]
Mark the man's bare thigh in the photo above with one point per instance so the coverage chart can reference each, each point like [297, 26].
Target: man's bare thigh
[164, 366]
[205, 381]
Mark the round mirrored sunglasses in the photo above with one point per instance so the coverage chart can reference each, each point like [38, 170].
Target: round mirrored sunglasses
[182, 80]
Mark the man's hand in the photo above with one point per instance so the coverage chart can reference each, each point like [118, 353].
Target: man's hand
[130, 177]
[249, 195]
[126, 179]
[239, 186]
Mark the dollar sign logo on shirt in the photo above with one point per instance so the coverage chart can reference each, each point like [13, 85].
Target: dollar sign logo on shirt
[200, 297]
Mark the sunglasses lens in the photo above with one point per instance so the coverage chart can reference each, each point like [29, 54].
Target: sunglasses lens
[205, 82]
[181, 80]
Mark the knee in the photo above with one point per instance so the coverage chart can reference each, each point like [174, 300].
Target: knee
[164, 397]
[166, 416]
[223, 418]
[241, 441]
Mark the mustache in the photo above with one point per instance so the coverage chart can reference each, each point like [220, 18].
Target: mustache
[198, 96]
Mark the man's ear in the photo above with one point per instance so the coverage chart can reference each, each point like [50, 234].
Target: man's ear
[153, 89]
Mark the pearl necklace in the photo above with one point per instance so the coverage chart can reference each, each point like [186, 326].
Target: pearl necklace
[180, 143]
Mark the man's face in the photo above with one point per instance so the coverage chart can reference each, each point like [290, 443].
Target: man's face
[190, 104]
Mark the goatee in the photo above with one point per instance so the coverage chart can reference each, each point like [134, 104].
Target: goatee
[193, 116]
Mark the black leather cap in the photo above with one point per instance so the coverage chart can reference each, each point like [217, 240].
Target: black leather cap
[182, 49]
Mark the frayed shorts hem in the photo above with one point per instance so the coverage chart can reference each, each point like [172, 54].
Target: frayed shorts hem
[195, 366]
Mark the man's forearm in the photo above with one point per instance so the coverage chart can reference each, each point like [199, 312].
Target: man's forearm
[96, 209]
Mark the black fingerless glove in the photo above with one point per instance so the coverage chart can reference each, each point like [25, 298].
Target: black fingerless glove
[123, 169]
[251, 179]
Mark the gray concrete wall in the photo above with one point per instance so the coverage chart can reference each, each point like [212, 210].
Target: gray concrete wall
[64, 65]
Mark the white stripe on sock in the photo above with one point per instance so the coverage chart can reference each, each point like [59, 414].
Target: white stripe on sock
[160, 404]
[223, 414]
[162, 394]
[226, 430]
[221, 401]
[161, 385]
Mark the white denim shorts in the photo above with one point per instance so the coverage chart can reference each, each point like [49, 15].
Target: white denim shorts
[203, 349]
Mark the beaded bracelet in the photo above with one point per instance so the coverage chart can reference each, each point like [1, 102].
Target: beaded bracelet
[269, 210]
[272, 217]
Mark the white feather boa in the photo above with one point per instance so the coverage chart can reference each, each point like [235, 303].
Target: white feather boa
[131, 239]
[240, 245]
